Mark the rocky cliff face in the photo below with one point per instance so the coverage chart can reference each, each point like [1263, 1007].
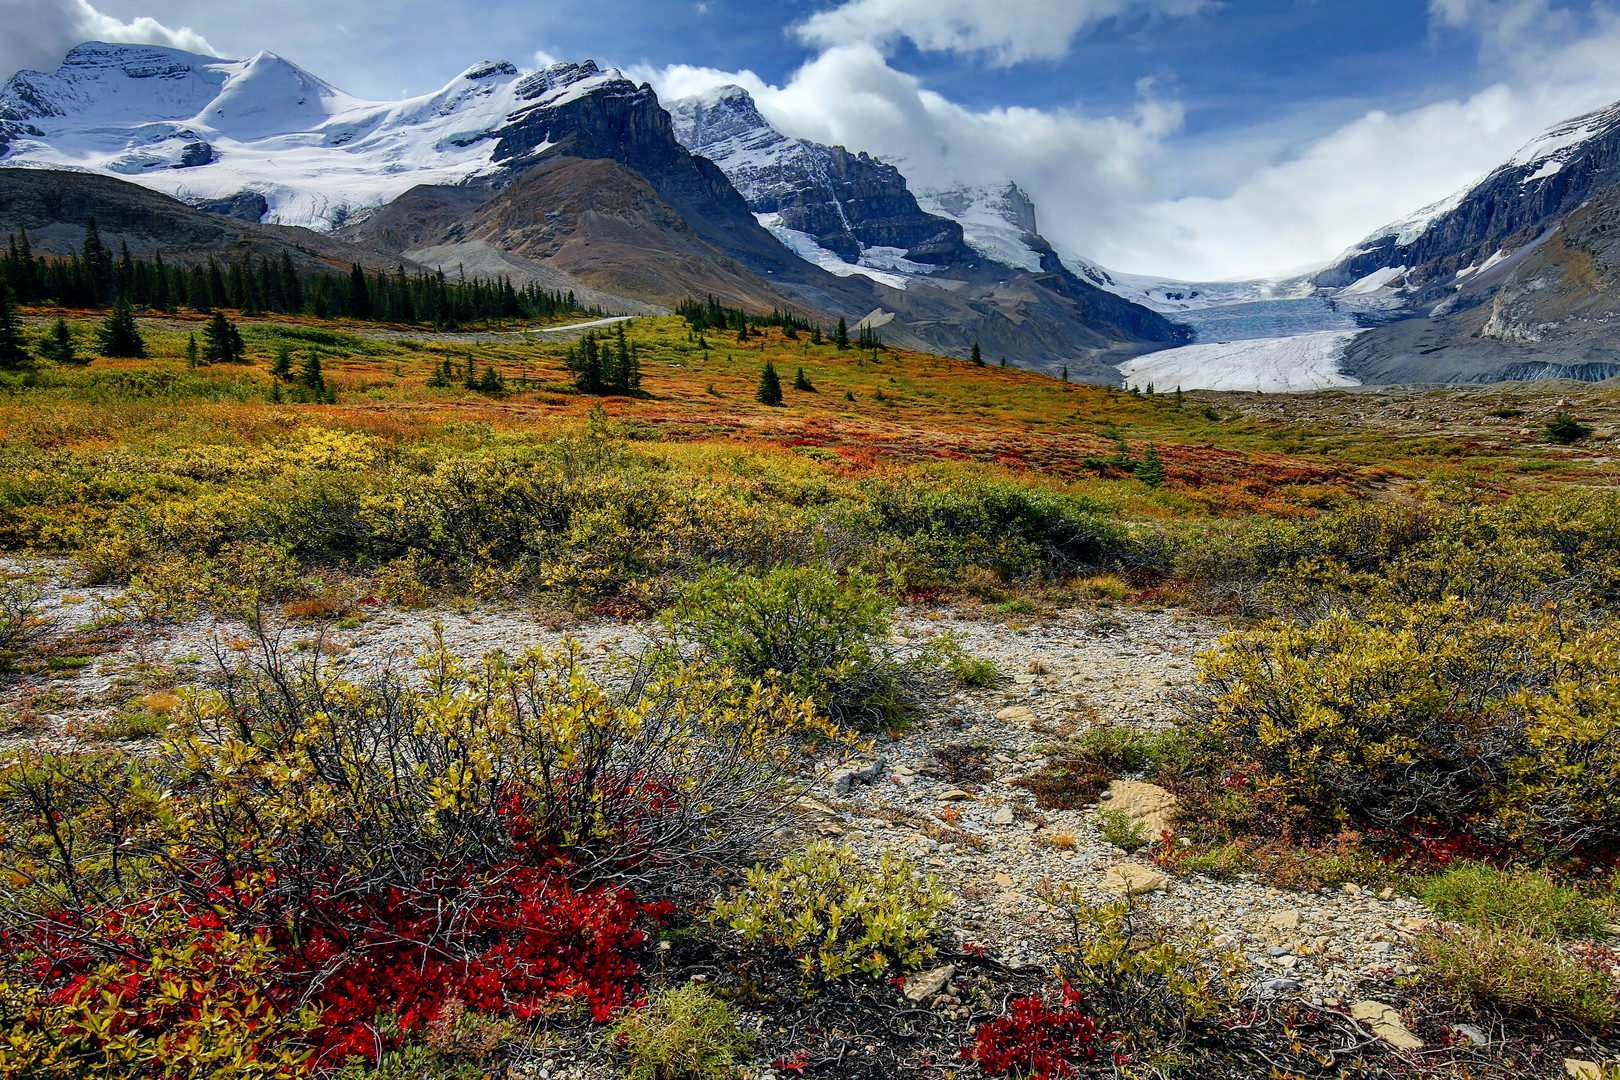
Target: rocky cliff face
[1519, 201]
[845, 202]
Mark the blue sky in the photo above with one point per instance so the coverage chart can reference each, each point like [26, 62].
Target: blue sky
[1191, 138]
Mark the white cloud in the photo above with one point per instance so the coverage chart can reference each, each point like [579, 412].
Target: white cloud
[38, 34]
[1100, 183]
[1006, 31]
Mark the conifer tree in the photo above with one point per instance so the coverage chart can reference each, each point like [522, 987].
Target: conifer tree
[802, 383]
[842, 340]
[359, 295]
[770, 387]
[119, 335]
[491, 383]
[1150, 470]
[1065, 372]
[59, 345]
[222, 344]
[13, 352]
[311, 377]
[161, 299]
[815, 335]
[281, 365]
[977, 357]
[97, 261]
[191, 350]
[1003, 361]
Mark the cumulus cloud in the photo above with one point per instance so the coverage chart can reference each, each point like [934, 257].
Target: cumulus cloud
[40, 32]
[1005, 31]
[1102, 183]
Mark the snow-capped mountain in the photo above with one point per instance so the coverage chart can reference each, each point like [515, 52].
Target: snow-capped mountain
[1439, 246]
[207, 130]
[847, 213]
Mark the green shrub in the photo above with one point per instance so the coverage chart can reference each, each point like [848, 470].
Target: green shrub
[1488, 898]
[682, 1034]
[1429, 712]
[1118, 829]
[837, 914]
[1565, 430]
[1518, 971]
[800, 629]
[967, 670]
[1153, 988]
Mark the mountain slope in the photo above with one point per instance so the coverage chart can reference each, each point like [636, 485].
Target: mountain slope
[574, 174]
[54, 206]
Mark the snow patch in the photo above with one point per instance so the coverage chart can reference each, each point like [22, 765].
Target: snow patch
[1374, 281]
[1272, 365]
[805, 247]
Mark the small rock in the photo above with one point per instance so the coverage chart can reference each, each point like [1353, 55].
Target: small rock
[1472, 1034]
[925, 984]
[840, 782]
[1350, 888]
[1004, 880]
[1017, 714]
[1387, 893]
[1135, 878]
[1277, 950]
[955, 794]
[901, 770]
[1149, 805]
[827, 828]
[872, 771]
[1023, 680]
[1280, 986]
[1002, 816]
[1385, 1023]
[1284, 920]
[1577, 1069]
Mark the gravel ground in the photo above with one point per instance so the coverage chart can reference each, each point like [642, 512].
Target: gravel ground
[1110, 665]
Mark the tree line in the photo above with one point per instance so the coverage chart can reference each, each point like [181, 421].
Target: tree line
[96, 278]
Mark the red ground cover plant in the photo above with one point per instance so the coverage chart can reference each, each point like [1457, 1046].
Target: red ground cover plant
[1037, 1041]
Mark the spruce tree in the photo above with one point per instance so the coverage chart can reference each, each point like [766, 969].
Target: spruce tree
[802, 383]
[491, 383]
[1150, 470]
[191, 350]
[1065, 372]
[13, 352]
[842, 340]
[222, 344]
[60, 344]
[977, 357]
[119, 335]
[281, 365]
[311, 377]
[770, 387]
[815, 335]
[97, 261]
[1003, 361]
[359, 295]
[161, 300]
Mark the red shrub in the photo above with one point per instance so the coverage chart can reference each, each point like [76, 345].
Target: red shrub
[1036, 1041]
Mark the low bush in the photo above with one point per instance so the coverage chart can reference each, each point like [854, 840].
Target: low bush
[836, 915]
[1036, 1041]
[1487, 898]
[1118, 829]
[682, 1034]
[1429, 715]
[1153, 992]
[802, 630]
[23, 619]
[1519, 971]
[333, 852]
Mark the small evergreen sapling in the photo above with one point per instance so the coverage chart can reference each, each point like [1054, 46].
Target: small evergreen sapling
[59, 346]
[770, 386]
[802, 383]
[1150, 470]
[281, 365]
[13, 353]
[977, 357]
[119, 334]
[191, 350]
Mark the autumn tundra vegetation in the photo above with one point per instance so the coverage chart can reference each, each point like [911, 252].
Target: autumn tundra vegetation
[467, 866]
